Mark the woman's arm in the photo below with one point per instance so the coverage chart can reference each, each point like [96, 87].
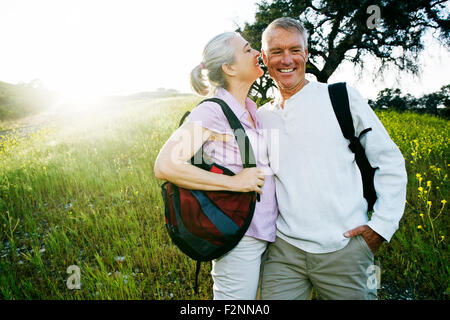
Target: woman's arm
[172, 164]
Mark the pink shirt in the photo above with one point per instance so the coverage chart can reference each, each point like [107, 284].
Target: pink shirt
[209, 115]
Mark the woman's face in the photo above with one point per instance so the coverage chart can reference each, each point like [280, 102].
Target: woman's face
[246, 65]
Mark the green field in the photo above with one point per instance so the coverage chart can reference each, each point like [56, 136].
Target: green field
[82, 192]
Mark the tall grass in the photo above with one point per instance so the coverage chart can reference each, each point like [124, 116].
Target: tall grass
[84, 194]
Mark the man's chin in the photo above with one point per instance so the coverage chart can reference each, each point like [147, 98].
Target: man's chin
[287, 86]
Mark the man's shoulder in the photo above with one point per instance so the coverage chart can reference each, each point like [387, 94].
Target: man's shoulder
[268, 106]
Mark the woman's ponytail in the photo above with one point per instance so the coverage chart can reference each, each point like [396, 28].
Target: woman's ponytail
[217, 52]
[198, 81]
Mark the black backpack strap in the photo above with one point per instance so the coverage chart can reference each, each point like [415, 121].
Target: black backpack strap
[197, 271]
[245, 148]
[183, 118]
[339, 100]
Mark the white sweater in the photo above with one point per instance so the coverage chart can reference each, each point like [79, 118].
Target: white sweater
[318, 183]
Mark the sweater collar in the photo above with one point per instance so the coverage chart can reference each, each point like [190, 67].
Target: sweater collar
[278, 98]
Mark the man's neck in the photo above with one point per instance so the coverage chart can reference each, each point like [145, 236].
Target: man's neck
[287, 93]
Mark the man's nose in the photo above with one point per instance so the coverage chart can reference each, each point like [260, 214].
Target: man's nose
[286, 58]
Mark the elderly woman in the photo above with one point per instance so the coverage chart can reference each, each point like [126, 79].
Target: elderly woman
[227, 71]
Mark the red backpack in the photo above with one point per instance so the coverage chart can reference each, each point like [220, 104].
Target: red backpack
[205, 225]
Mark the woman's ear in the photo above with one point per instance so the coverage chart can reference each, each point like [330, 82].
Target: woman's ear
[228, 69]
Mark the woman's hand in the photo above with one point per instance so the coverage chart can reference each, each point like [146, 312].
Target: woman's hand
[249, 179]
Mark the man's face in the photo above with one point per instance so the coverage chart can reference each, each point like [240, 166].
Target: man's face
[285, 56]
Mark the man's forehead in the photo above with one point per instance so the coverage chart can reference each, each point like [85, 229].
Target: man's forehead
[282, 38]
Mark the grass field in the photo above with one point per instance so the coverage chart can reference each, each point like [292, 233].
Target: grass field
[83, 193]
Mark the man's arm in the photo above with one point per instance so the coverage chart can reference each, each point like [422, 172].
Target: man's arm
[390, 178]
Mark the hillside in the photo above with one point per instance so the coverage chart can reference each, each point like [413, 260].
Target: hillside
[17, 101]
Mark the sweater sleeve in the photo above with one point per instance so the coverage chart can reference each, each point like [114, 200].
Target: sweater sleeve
[390, 178]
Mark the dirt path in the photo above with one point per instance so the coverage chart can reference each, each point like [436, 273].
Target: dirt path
[28, 126]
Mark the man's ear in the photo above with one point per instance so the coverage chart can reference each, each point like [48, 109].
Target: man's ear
[228, 69]
[264, 57]
[306, 54]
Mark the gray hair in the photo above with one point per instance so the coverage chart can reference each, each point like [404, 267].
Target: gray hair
[285, 23]
[217, 52]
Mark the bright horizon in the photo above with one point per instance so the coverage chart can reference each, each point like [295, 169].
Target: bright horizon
[90, 48]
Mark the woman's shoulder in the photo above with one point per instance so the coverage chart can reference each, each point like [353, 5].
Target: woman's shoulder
[207, 107]
[209, 115]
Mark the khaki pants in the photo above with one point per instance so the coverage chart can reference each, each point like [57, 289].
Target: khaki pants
[289, 273]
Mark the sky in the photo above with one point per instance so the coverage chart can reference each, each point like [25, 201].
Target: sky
[119, 47]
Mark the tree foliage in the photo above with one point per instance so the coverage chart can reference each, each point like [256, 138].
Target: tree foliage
[436, 103]
[23, 99]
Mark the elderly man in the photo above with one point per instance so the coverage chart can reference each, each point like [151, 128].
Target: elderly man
[324, 238]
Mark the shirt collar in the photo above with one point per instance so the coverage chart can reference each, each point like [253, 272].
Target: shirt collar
[276, 103]
[238, 110]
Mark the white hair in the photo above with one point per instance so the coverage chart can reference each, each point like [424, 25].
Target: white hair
[217, 52]
[285, 23]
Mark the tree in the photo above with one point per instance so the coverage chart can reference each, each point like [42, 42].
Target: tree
[344, 30]
[392, 99]
[435, 103]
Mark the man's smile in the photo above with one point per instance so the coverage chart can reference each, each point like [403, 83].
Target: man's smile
[290, 70]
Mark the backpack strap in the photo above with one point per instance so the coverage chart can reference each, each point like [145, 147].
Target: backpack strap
[245, 148]
[197, 271]
[339, 100]
[183, 118]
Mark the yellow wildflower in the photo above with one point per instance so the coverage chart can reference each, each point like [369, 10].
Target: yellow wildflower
[419, 227]
[428, 183]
